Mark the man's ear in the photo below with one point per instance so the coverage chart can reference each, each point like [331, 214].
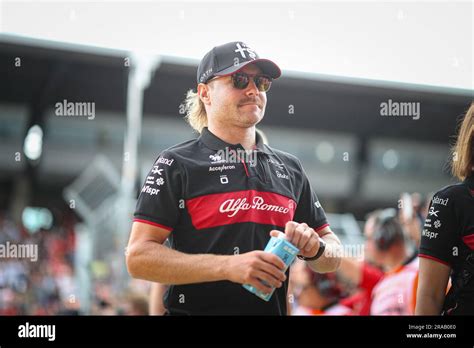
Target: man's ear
[203, 91]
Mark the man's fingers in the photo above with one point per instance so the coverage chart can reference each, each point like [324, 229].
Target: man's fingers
[297, 237]
[257, 283]
[311, 244]
[290, 229]
[273, 260]
[274, 272]
[306, 235]
[268, 278]
[275, 233]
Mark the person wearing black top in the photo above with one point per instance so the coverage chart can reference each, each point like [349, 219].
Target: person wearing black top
[219, 198]
[447, 239]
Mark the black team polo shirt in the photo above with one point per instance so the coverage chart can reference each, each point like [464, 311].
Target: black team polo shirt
[214, 200]
[448, 238]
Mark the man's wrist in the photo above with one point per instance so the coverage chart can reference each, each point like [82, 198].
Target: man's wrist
[319, 253]
[223, 267]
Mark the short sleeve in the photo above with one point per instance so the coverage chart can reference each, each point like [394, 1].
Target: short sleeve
[309, 209]
[439, 234]
[161, 194]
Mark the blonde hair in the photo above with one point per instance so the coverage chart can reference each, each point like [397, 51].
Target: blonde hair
[196, 114]
[463, 150]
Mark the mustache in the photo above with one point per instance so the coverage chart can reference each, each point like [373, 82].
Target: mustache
[250, 101]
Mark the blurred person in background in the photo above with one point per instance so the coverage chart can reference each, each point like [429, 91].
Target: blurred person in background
[105, 302]
[315, 293]
[135, 304]
[103, 307]
[388, 276]
[411, 215]
[395, 292]
[447, 240]
[362, 274]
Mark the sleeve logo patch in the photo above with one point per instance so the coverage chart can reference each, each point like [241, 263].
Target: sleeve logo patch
[166, 161]
[432, 212]
[437, 200]
[151, 191]
[157, 170]
[429, 234]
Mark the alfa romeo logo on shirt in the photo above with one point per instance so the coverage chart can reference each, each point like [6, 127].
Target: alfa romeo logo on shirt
[233, 206]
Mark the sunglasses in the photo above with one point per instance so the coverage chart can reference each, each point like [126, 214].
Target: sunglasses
[241, 80]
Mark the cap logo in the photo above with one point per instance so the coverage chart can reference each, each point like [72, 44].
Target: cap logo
[205, 75]
[243, 48]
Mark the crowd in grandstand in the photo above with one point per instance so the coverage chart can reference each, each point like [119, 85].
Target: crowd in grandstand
[47, 284]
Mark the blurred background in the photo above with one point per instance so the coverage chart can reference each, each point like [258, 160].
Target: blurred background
[69, 181]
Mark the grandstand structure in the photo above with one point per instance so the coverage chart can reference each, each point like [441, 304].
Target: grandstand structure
[355, 157]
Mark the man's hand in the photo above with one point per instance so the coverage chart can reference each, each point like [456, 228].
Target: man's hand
[301, 236]
[252, 267]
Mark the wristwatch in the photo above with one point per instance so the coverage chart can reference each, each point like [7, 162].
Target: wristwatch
[322, 247]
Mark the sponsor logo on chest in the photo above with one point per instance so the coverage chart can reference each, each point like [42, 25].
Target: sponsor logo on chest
[232, 206]
[282, 175]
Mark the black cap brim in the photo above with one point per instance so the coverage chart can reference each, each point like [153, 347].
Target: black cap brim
[267, 66]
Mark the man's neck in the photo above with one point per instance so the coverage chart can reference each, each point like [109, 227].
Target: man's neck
[235, 135]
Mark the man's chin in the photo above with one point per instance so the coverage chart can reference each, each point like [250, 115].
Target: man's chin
[252, 118]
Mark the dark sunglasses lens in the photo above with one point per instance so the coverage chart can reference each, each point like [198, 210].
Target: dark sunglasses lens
[263, 83]
[240, 81]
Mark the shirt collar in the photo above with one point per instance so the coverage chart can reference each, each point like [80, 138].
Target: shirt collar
[215, 143]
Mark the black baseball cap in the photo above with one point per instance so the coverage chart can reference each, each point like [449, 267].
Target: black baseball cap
[231, 57]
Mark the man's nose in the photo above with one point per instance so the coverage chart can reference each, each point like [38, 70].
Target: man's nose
[252, 88]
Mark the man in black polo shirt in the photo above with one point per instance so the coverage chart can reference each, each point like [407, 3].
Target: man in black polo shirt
[219, 197]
